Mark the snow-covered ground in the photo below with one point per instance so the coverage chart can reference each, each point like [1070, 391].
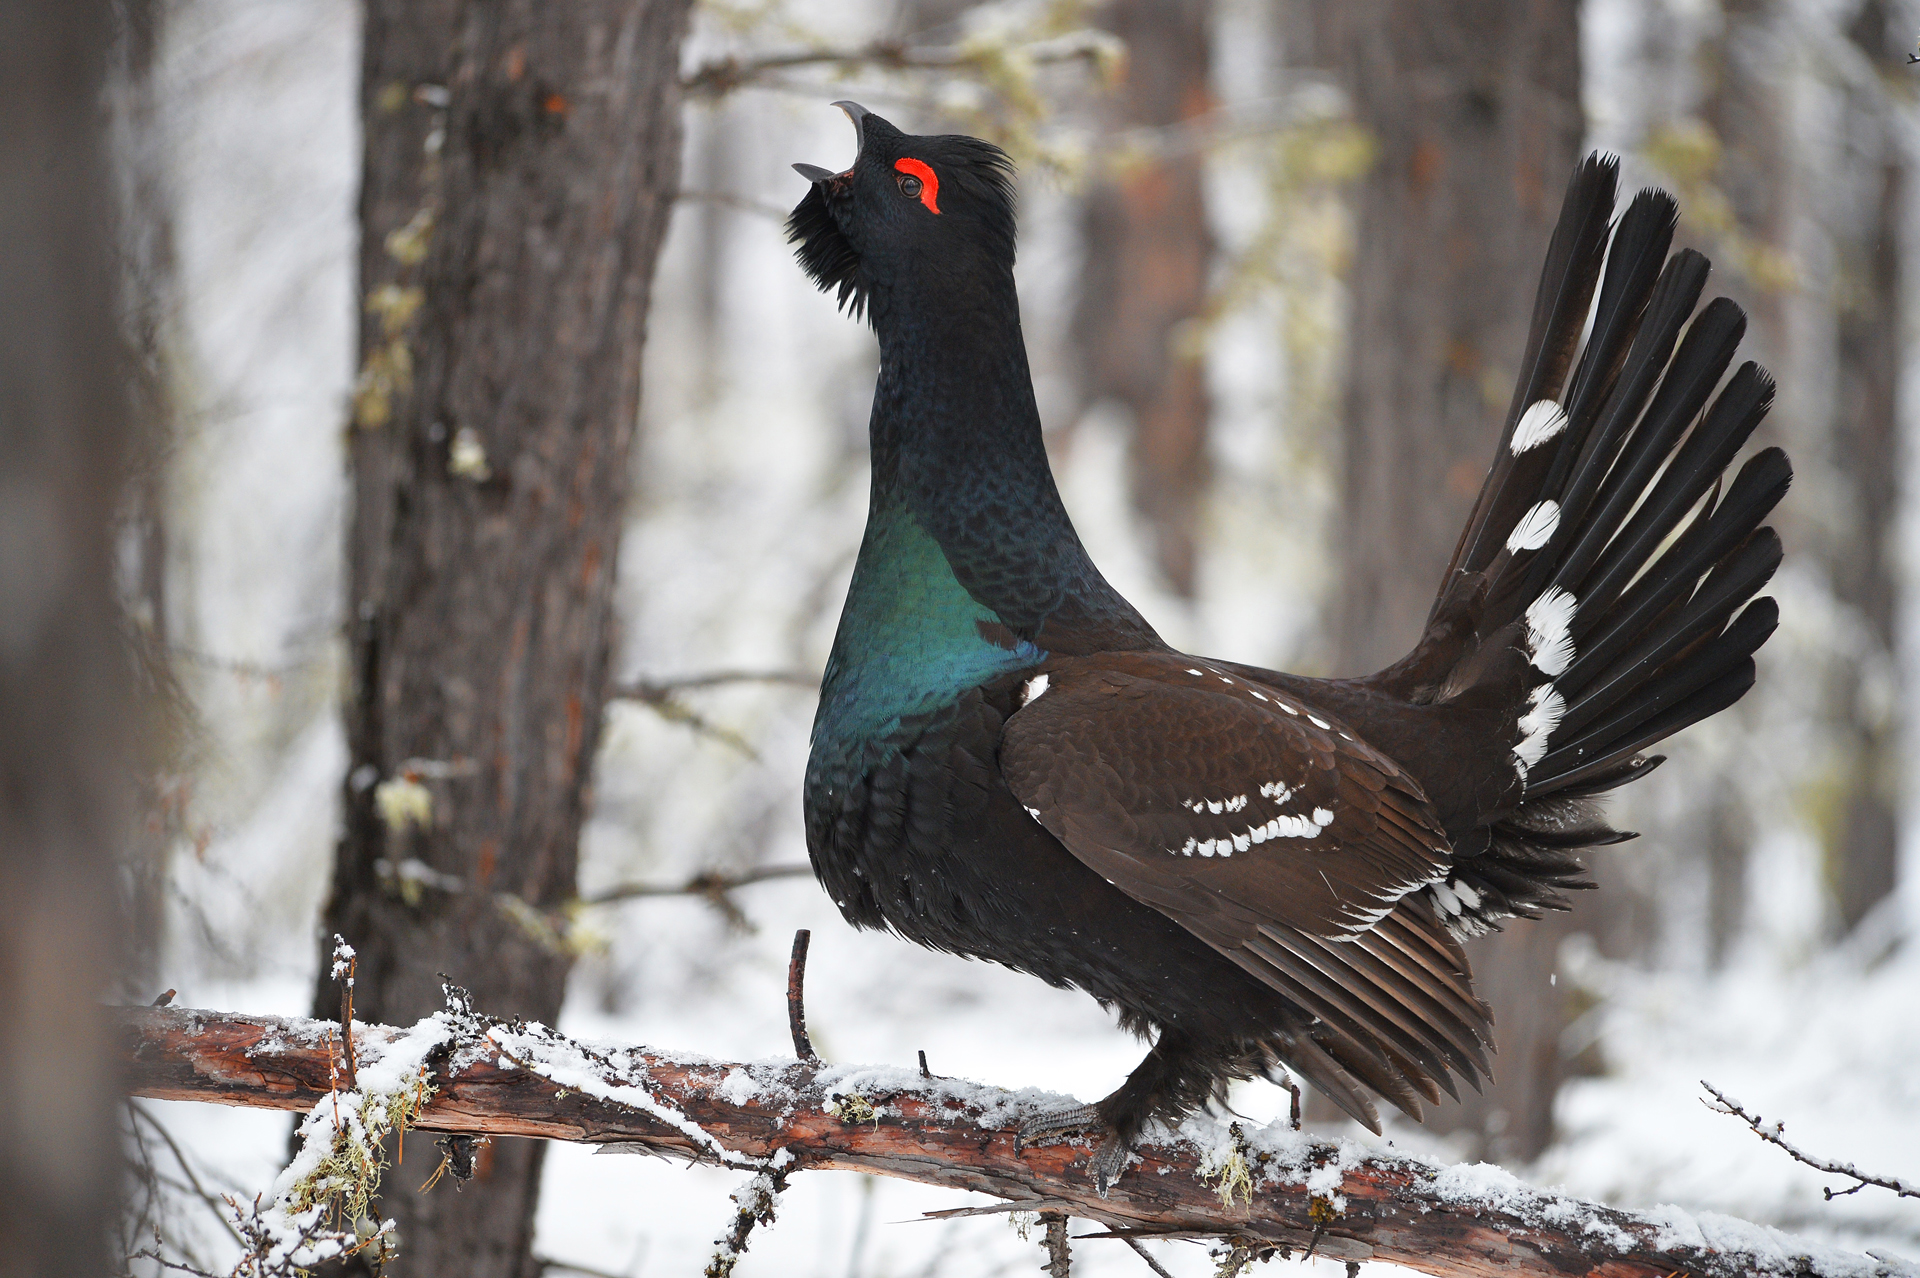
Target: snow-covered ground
[750, 490]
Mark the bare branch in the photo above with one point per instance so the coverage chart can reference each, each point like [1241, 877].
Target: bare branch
[890, 1121]
[797, 998]
[754, 1204]
[1141, 1252]
[662, 697]
[1059, 1249]
[724, 75]
[653, 689]
[709, 883]
[1772, 1134]
[744, 204]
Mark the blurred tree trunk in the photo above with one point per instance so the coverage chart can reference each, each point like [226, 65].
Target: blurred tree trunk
[1144, 277]
[1476, 111]
[521, 161]
[1743, 69]
[1870, 322]
[149, 279]
[67, 713]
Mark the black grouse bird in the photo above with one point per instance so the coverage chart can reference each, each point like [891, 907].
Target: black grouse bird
[1259, 869]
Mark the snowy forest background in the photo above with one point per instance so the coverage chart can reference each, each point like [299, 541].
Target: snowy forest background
[1764, 934]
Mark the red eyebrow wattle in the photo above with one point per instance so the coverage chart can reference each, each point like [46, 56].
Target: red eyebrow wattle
[929, 181]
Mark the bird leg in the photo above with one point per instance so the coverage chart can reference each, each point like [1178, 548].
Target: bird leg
[1173, 1080]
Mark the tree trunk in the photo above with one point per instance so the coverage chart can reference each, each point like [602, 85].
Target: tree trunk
[1475, 108]
[1866, 455]
[521, 161]
[67, 710]
[1144, 279]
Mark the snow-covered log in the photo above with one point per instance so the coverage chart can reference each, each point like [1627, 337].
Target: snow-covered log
[1262, 1189]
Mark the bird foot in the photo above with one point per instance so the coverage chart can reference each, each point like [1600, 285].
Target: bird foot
[1109, 1158]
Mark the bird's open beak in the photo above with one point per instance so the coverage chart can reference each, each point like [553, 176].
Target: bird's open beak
[857, 114]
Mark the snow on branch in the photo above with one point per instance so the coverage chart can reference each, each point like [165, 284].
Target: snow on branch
[1268, 1192]
[1773, 1134]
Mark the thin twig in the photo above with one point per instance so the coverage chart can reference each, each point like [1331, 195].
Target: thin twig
[709, 883]
[1771, 1133]
[797, 998]
[660, 696]
[754, 1204]
[654, 689]
[1141, 1252]
[724, 75]
[744, 204]
[344, 957]
[213, 1201]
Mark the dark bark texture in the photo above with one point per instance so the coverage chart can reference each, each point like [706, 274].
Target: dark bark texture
[521, 161]
[1143, 281]
[1475, 110]
[67, 710]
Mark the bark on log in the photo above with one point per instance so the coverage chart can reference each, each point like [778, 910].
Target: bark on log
[1373, 1206]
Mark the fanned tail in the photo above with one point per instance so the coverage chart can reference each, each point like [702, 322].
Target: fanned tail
[1604, 587]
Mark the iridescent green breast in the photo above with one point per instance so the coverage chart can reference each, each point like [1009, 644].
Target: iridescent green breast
[910, 639]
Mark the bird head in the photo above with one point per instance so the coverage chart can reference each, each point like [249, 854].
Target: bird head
[908, 213]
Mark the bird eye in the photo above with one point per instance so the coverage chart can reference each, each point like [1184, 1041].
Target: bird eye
[910, 186]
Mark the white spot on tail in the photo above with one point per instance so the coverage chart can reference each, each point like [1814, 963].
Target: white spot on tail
[1535, 527]
[1537, 725]
[1035, 688]
[1542, 421]
[1549, 641]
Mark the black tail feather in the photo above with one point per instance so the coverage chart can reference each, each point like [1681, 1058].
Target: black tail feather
[1606, 544]
[1574, 257]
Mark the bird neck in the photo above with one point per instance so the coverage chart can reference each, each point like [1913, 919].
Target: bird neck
[970, 567]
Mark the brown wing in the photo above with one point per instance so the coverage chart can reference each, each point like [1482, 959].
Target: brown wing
[1265, 829]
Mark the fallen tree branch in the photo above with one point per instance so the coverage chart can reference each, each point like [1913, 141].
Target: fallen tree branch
[1348, 1202]
[1772, 1134]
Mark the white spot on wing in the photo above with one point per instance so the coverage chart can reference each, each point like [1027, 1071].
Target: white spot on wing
[1542, 421]
[1535, 527]
[1285, 826]
[1318, 722]
[1035, 688]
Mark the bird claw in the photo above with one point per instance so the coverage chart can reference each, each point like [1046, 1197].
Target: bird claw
[1109, 1158]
